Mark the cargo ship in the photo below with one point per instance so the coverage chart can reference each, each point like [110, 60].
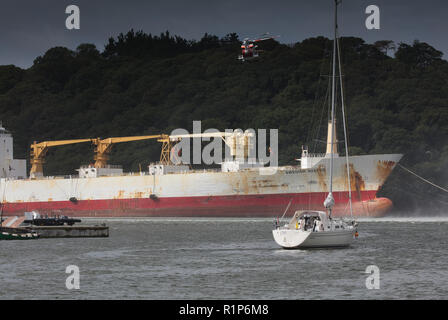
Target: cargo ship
[240, 188]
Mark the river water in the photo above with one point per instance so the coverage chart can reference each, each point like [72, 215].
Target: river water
[197, 258]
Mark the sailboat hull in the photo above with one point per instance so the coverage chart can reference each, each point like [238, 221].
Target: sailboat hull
[297, 239]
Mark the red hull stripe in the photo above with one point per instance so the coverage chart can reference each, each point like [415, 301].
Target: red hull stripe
[216, 206]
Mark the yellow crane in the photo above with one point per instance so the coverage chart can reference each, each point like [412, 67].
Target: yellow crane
[39, 150]
[104, 146]
[165, 155]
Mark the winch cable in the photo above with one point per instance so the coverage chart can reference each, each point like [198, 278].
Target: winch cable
[416, 194]
[427, 181]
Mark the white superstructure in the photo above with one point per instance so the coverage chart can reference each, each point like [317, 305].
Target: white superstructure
[9, 167]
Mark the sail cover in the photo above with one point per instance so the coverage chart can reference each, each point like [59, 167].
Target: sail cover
[329, 201]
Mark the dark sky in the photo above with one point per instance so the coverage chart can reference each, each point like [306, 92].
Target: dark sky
[29, 28]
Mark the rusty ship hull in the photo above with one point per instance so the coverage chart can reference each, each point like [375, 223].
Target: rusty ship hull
[254, 192]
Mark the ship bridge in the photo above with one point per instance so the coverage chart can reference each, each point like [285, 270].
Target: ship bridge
[9, 167]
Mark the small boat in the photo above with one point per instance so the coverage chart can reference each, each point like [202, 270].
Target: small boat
[318, 229]
[34, 218]
[17, 234]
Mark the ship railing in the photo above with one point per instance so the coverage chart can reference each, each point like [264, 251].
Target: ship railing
[54, 177]
[109, 166]
[142, 173]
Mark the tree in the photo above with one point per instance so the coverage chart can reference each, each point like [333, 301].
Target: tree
[148, 84]
[420, 54]
[385, 45]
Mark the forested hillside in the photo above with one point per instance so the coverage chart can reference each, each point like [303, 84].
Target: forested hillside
[397, 101]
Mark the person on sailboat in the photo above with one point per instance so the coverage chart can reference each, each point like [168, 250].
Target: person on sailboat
[305, 223]
[316, 225]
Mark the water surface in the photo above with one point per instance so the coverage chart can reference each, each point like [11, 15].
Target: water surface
[198, 258]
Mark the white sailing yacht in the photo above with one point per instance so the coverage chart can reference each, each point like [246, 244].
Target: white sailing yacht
[318, 229]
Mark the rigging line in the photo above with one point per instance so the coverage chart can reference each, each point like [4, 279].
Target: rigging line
[343, 98]
[325, 102]
[290, 201]
[318, 127]
[417, 194]
[332, 140]
[314, 132]
[315, 102]
[345, 128]
[312, 110]
[427, 181]
[434, 197]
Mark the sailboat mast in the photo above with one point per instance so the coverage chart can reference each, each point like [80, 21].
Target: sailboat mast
[333, 85]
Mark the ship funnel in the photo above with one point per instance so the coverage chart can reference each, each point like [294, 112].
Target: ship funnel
[335, 144]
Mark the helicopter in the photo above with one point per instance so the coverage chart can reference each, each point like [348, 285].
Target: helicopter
[249, 47]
